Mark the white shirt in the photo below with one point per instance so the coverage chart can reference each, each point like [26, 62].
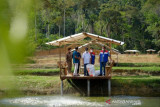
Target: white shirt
[86, 57]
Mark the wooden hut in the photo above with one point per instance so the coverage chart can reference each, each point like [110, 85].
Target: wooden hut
[150, 51]
[131, 52]
[78, 40]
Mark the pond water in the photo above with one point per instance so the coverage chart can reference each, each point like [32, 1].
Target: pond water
[72, 101]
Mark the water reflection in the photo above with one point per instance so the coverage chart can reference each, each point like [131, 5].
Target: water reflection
[56, 101]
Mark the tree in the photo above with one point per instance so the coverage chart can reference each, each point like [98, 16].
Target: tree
[111, 19]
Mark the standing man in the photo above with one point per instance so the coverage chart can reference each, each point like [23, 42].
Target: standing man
[86, 60]
[69, 60]
[75, 61]
[103, 59]
[79, 61]
[92, 56]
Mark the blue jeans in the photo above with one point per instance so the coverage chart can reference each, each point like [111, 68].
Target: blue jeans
[85, 70]
[102, 66]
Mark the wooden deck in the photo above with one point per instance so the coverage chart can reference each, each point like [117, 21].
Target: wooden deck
[63, 77]
[88, 78]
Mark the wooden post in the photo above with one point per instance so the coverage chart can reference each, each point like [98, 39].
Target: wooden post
[61, 87]
[117, 59]
[88, 87]
[60, 59]
[110, 46]
[109, 87]
[65, 49]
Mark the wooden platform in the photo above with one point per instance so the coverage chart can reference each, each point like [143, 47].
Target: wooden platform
[63, 77]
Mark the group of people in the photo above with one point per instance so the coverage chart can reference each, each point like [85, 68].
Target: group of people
[87, 58]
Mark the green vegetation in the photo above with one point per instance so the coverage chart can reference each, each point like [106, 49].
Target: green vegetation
[38, 85]
[150, 69]
[37, 72]
[38, 82]
[136, 22]
[27, 25]
[136, 81]
[136, 77]
[138, 64]
[50, 72]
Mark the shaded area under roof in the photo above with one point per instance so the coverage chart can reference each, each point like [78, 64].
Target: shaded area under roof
[98, 43]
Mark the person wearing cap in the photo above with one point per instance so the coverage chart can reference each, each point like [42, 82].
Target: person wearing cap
[86, 60]
[92, 56]
[69, 60]
[103, 59]
[75, 61]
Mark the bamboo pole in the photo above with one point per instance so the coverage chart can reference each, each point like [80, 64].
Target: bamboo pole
[110, 46]
[60, 59]
[65, 49]
[109, 87]
[88, 87]
[61, 87]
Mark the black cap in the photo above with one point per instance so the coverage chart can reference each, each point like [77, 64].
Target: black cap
[76, 48]
[86, 49]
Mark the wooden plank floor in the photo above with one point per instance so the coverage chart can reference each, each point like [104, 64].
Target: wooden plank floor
[83, 77]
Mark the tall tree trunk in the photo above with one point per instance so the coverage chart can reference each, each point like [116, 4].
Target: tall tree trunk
[123, 40]
[101, 28]
[108, 30]
[48, 30]
[59, 30]
[64, 23]
[92, 28]
[78, 13]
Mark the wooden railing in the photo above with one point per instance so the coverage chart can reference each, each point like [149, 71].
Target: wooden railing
[108, 69]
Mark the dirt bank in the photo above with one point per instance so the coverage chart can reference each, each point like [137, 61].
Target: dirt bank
[48, 85]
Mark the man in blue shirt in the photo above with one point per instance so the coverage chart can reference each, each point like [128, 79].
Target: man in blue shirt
[75, 61]
[103, 59]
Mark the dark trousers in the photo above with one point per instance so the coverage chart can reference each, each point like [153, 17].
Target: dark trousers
[102, 68]
[78, 68]
[85, 70]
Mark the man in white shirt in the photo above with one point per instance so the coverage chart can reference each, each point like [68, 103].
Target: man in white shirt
[86, 60]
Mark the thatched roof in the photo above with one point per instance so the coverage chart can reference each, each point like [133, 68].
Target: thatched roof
[149, 50]
[80, 36]
[136, 51]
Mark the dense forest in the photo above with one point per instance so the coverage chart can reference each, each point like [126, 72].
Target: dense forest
[136, 22]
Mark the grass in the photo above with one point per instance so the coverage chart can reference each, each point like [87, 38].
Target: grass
[51, 84]
[29, 84]
[37, 72]
[137, 81]
[49, 72]
[123, 58]
[148, 69]
[136, 77]
[37, 82]
[142, 58]
[138, 64]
